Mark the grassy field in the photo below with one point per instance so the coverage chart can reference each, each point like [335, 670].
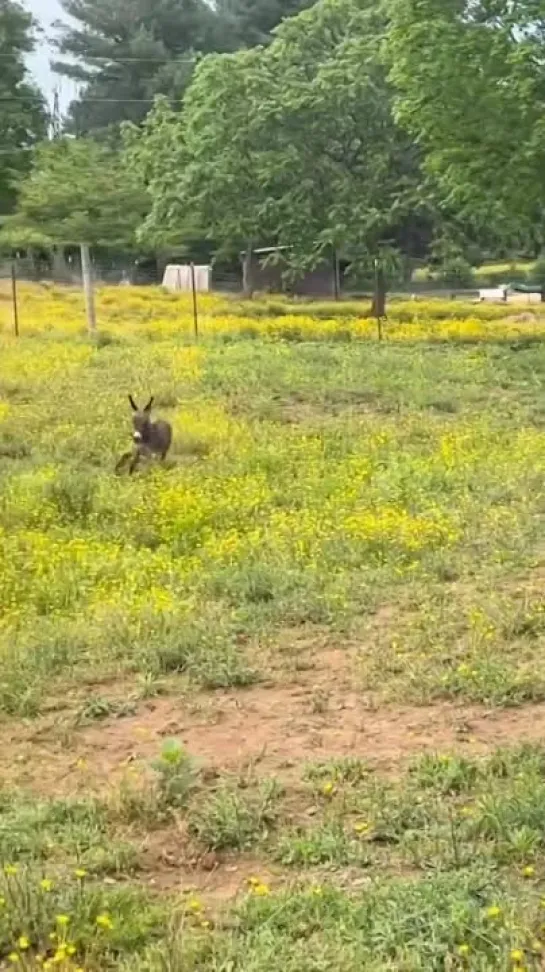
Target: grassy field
[491, 274]
[280, 703]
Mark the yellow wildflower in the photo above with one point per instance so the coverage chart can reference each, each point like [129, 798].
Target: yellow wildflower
[46, 885]
[529, 872]
[362, 827]
[10, 870]
[261, 890]
[463, 950]
[23, 943]
[63, 920]
[14, 958]
[194, 905]
[104, 921]
[80, 873]
[328, 788]
[517, 955]
[493, 912]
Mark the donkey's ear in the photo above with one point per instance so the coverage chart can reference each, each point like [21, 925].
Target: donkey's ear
[150, 403]
[134, 406]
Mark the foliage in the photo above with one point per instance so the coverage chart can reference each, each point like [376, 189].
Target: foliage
[78, 192]
[199, 166]
[251, 22]
[124, 62]
[293, 144]
[340, 171]
[176, 772]
[22, 111]
[470, 88]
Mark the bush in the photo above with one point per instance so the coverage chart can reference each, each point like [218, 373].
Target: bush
[537, 273]
[455, 271]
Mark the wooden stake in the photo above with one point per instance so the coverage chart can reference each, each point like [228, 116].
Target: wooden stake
[14, 298]
[195, 309]
[378, 300]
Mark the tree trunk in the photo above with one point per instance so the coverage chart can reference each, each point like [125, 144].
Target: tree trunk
[247, 281]
[88, 288]
[336, 276]
[378, 308]
[60, 268]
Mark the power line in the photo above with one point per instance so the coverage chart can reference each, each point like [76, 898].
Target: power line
[123, 60]
[109, 101]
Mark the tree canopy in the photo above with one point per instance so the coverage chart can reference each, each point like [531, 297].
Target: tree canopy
[23, 118]
[125, 52]
[77, 192]
[249, 23]
[292, 144]
[470, 79]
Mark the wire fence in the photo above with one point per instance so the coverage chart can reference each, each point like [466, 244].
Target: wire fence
[106, 271]
[65, 270]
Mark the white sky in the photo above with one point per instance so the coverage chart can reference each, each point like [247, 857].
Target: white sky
[46, 12]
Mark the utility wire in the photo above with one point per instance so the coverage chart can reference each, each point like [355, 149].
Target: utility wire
[122, 60]
[112, 101]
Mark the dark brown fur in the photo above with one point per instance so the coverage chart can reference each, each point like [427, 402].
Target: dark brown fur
[150, 438]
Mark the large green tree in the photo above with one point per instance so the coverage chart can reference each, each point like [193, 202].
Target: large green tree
[124, 52]
[202, 166]
[341, 173]
[78, 192]
[292, 144]
[251, 22]
[23, 118]
[470, 77]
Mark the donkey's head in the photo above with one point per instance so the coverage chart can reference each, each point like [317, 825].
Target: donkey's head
[141, 422]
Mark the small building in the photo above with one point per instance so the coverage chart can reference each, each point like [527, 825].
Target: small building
[183, 276]
[268, 275]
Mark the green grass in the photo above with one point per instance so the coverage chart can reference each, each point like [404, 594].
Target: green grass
[385, 501]
[386, 873]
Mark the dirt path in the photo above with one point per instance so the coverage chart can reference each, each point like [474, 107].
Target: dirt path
[275, 729]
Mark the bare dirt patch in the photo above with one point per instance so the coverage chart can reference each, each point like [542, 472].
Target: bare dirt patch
[272, 729]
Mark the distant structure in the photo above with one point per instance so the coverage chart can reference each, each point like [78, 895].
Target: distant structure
[268, 266]
[177, 278]
[511, 295]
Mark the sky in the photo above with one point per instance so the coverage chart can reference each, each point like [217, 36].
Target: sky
[46, 12]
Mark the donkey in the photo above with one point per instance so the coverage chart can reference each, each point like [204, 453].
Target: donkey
[150, 438]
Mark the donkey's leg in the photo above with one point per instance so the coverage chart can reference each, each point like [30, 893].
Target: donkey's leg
[134, 461]
[123, 461]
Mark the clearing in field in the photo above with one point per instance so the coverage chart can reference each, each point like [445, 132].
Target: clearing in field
[279, 703]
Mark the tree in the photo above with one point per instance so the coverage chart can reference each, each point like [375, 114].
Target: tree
[78, 192]
[125, 52]
[293, 144]
[200, 166]
[23, 118]
[340, 174]
[251, 22]
[470, 79]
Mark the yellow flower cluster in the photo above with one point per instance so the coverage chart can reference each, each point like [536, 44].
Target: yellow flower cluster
[152, 313]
